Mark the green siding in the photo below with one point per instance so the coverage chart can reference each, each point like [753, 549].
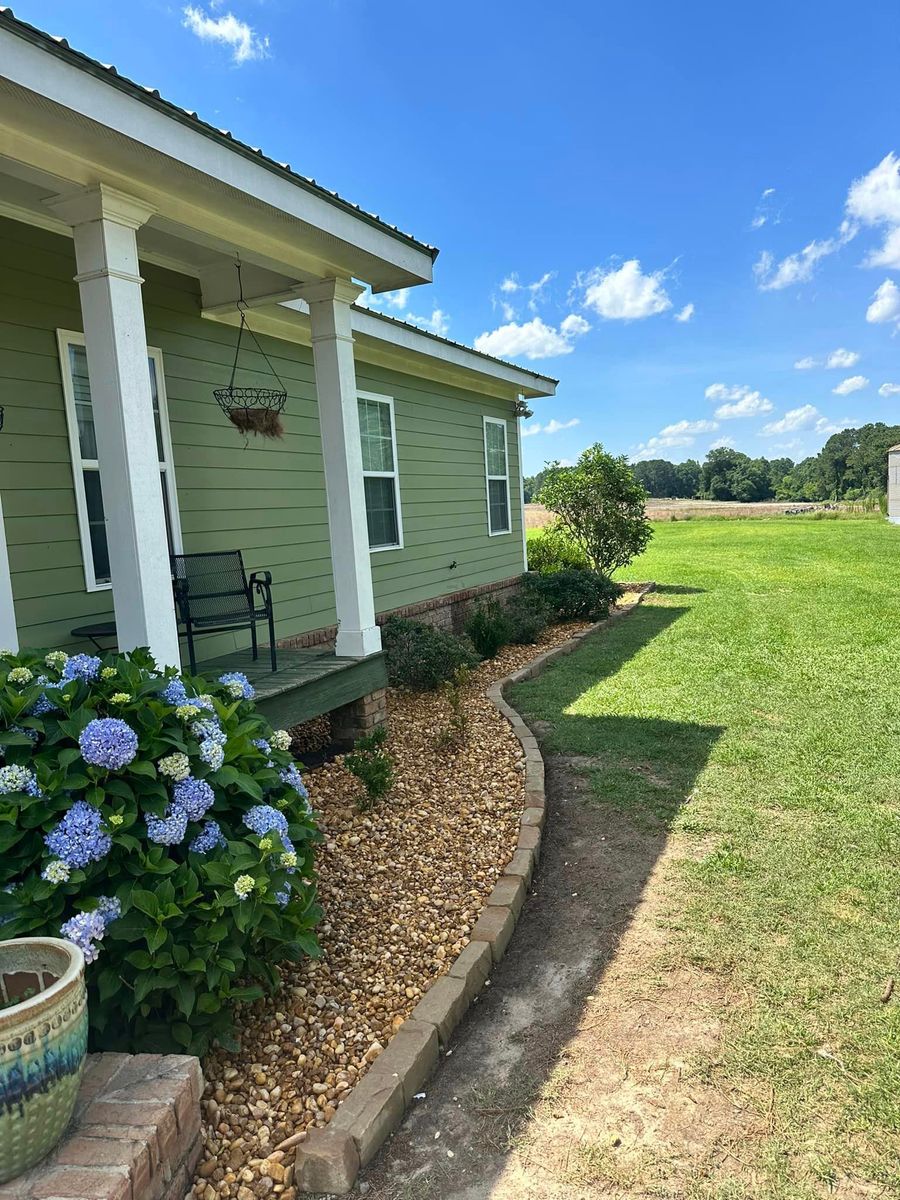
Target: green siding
[268, 499]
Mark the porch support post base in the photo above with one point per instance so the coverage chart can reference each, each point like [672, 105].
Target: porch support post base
[359, 717]
[104, 222]
[332, 343]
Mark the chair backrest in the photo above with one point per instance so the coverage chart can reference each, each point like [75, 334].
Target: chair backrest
[210, 585]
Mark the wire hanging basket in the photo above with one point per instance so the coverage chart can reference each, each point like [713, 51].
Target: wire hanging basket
[255, 410]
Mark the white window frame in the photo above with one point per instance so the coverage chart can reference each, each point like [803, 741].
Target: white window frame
[395, 474]
[69, 337]
[489, 478]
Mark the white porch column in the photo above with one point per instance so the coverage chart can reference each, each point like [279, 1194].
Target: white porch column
[332, 343]
[9, 638]
[104, 222]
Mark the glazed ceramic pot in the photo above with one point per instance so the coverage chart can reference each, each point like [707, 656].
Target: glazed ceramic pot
[43, 1041]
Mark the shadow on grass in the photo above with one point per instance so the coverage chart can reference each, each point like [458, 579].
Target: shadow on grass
[614, 785]
[677, 589]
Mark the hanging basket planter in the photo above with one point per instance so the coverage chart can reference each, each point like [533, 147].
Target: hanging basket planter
[255, 410]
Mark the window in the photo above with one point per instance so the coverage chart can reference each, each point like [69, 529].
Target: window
[496, 463]
[379, 459]
[86, 468]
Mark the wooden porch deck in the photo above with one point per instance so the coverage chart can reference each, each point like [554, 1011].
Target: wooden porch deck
[308, 682]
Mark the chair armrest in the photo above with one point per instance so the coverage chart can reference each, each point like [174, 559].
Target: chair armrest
[261, 583]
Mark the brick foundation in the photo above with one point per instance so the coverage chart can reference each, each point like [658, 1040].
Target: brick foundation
[135, 1133]
[354, 720]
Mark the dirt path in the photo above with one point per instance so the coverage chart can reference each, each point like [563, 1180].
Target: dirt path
[572, 1076]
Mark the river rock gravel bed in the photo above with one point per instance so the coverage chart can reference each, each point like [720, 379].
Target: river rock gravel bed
[401, 886]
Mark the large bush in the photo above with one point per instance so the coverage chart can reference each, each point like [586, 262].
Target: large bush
[489, 628]
[421, 657]
[159, 823]
[528, 617]
[552, 549]
[601, 506]
[573, 595]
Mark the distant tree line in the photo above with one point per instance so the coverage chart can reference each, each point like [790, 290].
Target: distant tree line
[851, 465]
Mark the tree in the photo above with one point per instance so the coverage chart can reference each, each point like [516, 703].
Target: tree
[657, 477]
[687, 479]
[601, 506]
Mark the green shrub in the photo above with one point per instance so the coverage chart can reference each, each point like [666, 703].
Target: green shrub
[528, 617]
[489, 629]
[574, 595]
[372, 765]
[162, 815]
[456, 732]
[421, 657]
[554, 550]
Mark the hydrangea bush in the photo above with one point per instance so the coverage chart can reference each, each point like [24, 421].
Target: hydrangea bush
[157, 821]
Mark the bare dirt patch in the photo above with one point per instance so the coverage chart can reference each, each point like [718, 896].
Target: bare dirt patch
[574, 1076]
[536, 516]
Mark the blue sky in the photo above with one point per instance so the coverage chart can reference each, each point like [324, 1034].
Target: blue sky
[592, 172]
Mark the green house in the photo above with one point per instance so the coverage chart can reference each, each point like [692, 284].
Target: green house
[396, 483]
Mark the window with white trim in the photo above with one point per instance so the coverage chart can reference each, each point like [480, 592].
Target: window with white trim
[378, 438]
[85, 464]
[496, 462]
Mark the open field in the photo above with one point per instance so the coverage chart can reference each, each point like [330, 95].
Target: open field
[677, 510]
[699, 1002]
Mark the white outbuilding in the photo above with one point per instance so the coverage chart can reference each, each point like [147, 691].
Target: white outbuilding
[893, 488]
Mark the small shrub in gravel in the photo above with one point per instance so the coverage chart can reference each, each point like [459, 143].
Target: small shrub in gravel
[455, 733]
[158, 822]
[489, 628]
[421, 657]
[554, 550]
[528, 617]
[370, 762]
[573, 595]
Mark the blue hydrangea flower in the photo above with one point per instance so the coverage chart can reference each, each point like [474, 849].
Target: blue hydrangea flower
[84, 929]
[31, 734]
[108, 742]
[263, 819]
[262, 744]
[109, 908]
[204, 702]
[194, 796]
[175, 693]
[82, 666]
[212, 754]
[238, 685]
[283, 897]
[170, 829]
[78, 839]
[18, 779]
[209, 837]
[292, 778]
[209, 731]
[43, 704]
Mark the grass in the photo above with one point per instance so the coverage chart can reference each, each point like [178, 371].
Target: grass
[753, 705]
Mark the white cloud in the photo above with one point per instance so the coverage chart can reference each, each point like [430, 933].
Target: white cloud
[510, 284]
[805, 364]
[684, 315]
[721, 443]
[624, 293]
[852, 383]
[765, 211]
[681, 427]
[885, 305]
[509, 313]
[794, 419]
[533, 339]
[889, 389]
[553, 426]
[537, 289]
[799, 267]
[824, 425]
[739, 401]
[573, 325]
[438, 322]
[653, 447]
[246, 44]
[842, 358]
[875, 200]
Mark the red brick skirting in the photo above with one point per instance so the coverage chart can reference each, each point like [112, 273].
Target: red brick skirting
[135, 1134]
[329, 1159]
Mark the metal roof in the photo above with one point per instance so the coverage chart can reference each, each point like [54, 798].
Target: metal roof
[150, 96]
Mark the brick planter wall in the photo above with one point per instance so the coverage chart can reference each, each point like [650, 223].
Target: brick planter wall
[135, 1134]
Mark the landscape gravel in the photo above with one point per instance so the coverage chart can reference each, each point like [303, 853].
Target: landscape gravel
[401, 886]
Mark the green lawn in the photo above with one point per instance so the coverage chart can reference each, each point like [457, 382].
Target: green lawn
[753, 704]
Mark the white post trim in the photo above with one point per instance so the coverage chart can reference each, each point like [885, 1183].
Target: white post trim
[104, 222]
[9, 637]
[522, 491]
[336, 392]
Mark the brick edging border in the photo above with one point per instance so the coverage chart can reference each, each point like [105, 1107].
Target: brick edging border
[329, 1159]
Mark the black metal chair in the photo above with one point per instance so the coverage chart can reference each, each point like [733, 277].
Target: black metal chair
[214, 595]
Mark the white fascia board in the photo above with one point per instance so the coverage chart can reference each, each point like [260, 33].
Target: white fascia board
[37, 70]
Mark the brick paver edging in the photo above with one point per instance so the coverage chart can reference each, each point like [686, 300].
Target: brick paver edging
[329, 1159]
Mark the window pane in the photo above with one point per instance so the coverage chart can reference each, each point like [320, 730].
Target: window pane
[97, 525]
[498, 503]
[81, 388]
[495, 436]
[157, 420]
[375, 435]
[168, 514]
[381, 511]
